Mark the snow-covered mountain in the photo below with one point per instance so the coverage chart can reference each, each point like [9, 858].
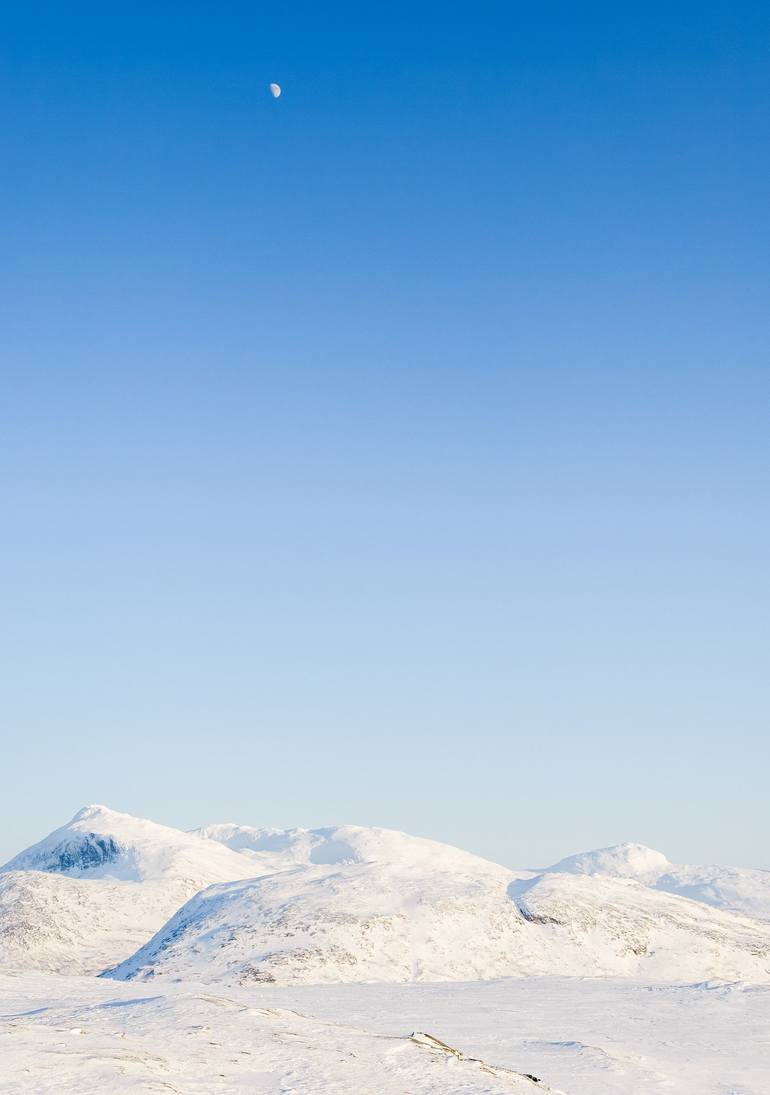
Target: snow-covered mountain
[97, 888]
[101, 843]
[740, 890]
[375, 905]
[366, 904]
[233, 903]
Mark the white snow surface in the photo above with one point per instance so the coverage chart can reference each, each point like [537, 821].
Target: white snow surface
[77, 1036]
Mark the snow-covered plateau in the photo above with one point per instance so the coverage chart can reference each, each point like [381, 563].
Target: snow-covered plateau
[351, 959]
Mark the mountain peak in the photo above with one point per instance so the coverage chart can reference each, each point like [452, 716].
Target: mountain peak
[97, 810]
[102, 843]
[626, 860]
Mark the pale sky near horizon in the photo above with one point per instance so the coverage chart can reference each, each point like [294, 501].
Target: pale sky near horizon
[396, 451]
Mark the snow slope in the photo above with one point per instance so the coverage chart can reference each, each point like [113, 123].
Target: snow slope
[377, 905]
[64, 925]
[619, 926]
[93, 891]
[741, 890]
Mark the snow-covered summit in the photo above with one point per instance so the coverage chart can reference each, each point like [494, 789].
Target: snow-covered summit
[742, 890]
[618, 861]
[100, 843]
[278, 849]
[287, 847]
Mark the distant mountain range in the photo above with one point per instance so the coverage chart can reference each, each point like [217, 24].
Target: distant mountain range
[109, 893]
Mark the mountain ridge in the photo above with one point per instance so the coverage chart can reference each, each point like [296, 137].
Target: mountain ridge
[108, 892]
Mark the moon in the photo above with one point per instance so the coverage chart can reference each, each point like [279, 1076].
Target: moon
[275, 90]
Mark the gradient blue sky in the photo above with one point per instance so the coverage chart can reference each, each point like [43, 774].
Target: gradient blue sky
[395, 452]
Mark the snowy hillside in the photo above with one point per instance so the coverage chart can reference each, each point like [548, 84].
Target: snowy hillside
[376, 905]
[93, 891]
[372, 904]
[617, 926]
[735, 889]
[64, 925]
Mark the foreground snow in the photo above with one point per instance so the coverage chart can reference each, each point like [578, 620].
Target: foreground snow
[579, 1036]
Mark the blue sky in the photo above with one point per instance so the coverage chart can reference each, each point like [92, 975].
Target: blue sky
[395, 452]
